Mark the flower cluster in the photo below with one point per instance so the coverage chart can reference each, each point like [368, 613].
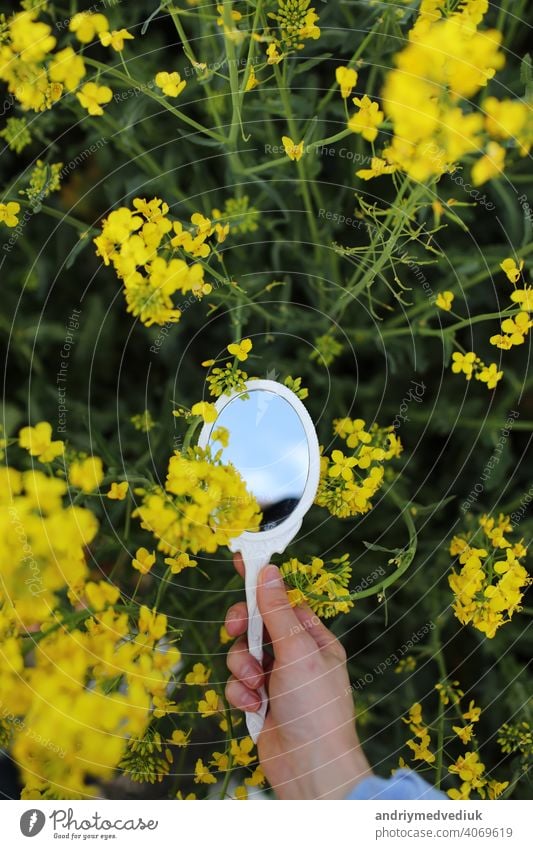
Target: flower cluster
[515, 330]
[323, 586]
[471, 365]
[204, 504]
[428, 98]
[421, 741]
[42, 542]
[349, 481]
[516, 737]
[97, 683]
[295, 24]
[38, 77]
[150, 254]
[223, 380]
[467, 766]
[490, 584]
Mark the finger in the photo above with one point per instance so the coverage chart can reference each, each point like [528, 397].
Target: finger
[237, 619]
[244, 667]
[238, 562]
[241, 697]
[316, 629]
[288, 636]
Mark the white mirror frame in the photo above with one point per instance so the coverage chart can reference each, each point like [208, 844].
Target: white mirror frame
[258, 547]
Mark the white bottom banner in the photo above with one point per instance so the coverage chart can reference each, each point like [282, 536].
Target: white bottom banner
[307, 825]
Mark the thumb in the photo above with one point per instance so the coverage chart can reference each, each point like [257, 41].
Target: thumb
[281, 621]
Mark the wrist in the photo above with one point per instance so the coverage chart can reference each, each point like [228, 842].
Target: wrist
[335, 777]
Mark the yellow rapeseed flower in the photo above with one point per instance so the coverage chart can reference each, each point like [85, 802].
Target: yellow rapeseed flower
[170, 84]
[118, 491]
[93, 96]
[115, 39]
[86, 474]
[444, 300]
[294, 151]
[346, 78]
[9, 212]
[38, 442]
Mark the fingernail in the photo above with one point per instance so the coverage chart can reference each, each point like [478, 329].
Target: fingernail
[270, 576]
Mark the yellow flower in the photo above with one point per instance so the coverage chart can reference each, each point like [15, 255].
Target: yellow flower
[511, 269]
[241, 751]
[220, 761]
[252, 81]
[509, 119]
[377, 168]
[367, 120]
[200, 674]
[309, 28]
[234, 15]
[463, 732]
[92, 96]
[101, 594]
[86, 474]
[489, 375]
[223, 636]
[256, 779]
[38, 442]
[85, 25]
[221, 435]
[170, 84]
[517, 327]
[524, 297]
[463, 793]
[202, 774]
[180, 738]
[115, 39]
[469, 768]
[294, 151]
[341, 465]
[241, 793]
[346, 79]
[445, 300]
[67, 67]
[473, 713]
[143, 560]
[206, 410]
[490, 165]
[179, 563]
[152, 623]
[274, 57]
[463, 363]
[9, 212]
[210, 705]
[118, 491]
[496, 788]
[240, 350]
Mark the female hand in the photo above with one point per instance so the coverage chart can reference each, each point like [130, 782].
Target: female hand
[308, 748]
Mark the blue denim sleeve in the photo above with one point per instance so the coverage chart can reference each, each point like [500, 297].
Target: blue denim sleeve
[404, 784]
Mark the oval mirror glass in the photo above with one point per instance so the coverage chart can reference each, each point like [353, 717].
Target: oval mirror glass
[268, 445]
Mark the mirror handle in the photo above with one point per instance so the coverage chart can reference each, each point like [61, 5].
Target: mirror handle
[254, 561]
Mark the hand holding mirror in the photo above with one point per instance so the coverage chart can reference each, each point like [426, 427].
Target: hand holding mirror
[273, 445]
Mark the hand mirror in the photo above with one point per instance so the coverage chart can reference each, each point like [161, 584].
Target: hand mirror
[273, 445]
